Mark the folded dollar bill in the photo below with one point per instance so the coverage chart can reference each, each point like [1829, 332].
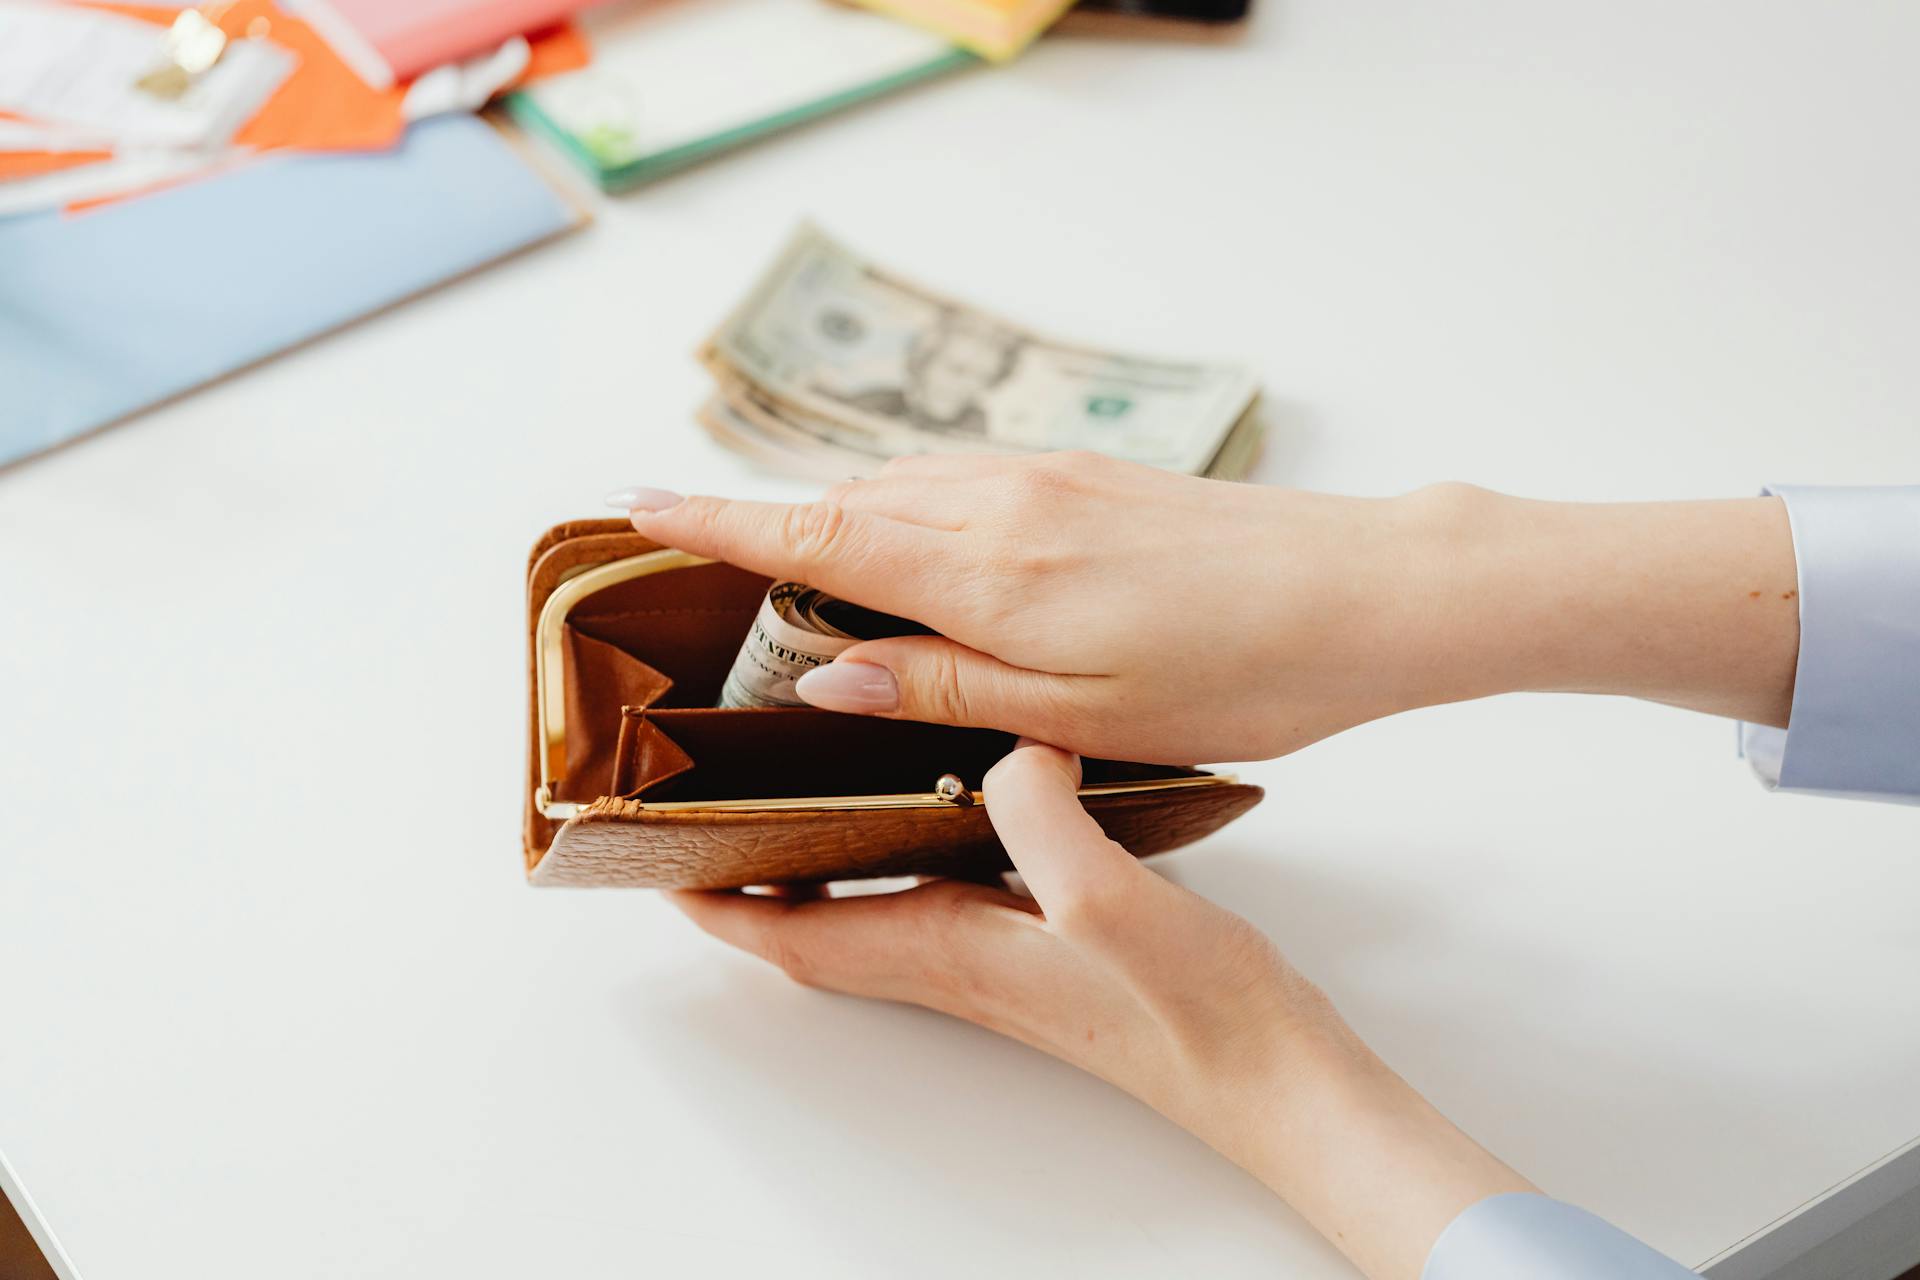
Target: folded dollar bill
[832, 365]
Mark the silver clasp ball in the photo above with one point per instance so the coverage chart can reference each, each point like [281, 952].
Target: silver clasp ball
[952, 790]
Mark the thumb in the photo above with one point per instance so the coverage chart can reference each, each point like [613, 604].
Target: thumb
[933, 679]
[1073, 870]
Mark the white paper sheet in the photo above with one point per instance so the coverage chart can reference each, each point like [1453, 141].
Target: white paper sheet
[24, 135]
[67, 66]
[124, 173]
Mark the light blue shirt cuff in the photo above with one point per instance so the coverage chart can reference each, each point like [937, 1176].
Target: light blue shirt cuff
[1520, 1236]
[1854, 729]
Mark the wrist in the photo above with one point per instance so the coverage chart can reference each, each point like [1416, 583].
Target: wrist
[1355, 1150]
[1691, 603]
[1453, 571]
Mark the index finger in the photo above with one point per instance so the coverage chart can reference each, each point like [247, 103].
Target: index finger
[859, 556]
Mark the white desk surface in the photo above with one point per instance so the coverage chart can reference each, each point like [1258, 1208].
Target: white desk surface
[277, 1002]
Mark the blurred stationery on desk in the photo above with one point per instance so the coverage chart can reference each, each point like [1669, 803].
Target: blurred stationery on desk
[999, 29]
[116, 309]
[994, 29]
[674, 82]
[396, 40]
[86, 70]
[100, 103]
[1187, 20]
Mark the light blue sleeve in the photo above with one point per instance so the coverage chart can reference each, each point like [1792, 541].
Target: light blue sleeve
[1519, 1236]
[1854, 729]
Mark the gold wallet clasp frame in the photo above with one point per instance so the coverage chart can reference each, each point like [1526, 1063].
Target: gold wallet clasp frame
[550, 703]
[550, 660]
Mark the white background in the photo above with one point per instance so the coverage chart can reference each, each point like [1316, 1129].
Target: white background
[276, 1001]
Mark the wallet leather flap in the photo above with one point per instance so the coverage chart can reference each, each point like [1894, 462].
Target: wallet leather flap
[621, 843]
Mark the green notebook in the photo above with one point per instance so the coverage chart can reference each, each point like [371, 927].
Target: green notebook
[675, 81]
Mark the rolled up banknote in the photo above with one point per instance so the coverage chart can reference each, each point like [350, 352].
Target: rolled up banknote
[797, 629]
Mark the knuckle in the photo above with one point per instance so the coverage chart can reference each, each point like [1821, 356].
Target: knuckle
[815, 532]
[1450, 500]
[1445, 490]
[1049, 482]
[1037, 491]
[945, 688]
[1040, 561]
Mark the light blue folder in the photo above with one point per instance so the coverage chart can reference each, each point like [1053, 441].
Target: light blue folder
[107, 312]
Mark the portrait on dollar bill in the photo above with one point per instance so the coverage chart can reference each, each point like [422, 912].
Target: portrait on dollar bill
[950, 364]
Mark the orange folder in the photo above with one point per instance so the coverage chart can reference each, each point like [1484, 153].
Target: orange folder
[322, 106]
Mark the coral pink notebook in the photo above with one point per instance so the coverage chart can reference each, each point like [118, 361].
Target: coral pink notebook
[412, 36]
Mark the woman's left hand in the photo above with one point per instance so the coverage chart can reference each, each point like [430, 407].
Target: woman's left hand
[1155, 990]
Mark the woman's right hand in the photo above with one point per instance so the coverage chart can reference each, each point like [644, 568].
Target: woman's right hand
[1116, 609]
[1131, 613]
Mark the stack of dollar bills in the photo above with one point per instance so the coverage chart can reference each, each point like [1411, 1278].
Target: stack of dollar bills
[832, 365]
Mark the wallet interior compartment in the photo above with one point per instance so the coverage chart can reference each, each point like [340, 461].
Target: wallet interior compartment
[684, 626]
[689, 623]
[708, 753]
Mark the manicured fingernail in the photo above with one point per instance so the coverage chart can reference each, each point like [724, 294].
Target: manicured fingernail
[641, 498]
[850, 686]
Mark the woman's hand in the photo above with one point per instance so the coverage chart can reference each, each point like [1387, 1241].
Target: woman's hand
[1116, 609]
[1127, 612]
[1155, 990]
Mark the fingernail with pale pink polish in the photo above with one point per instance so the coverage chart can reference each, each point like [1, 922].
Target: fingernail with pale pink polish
[641, 498]
[850, 686]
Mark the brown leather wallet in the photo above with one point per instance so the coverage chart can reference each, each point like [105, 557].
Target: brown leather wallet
[636, 778]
